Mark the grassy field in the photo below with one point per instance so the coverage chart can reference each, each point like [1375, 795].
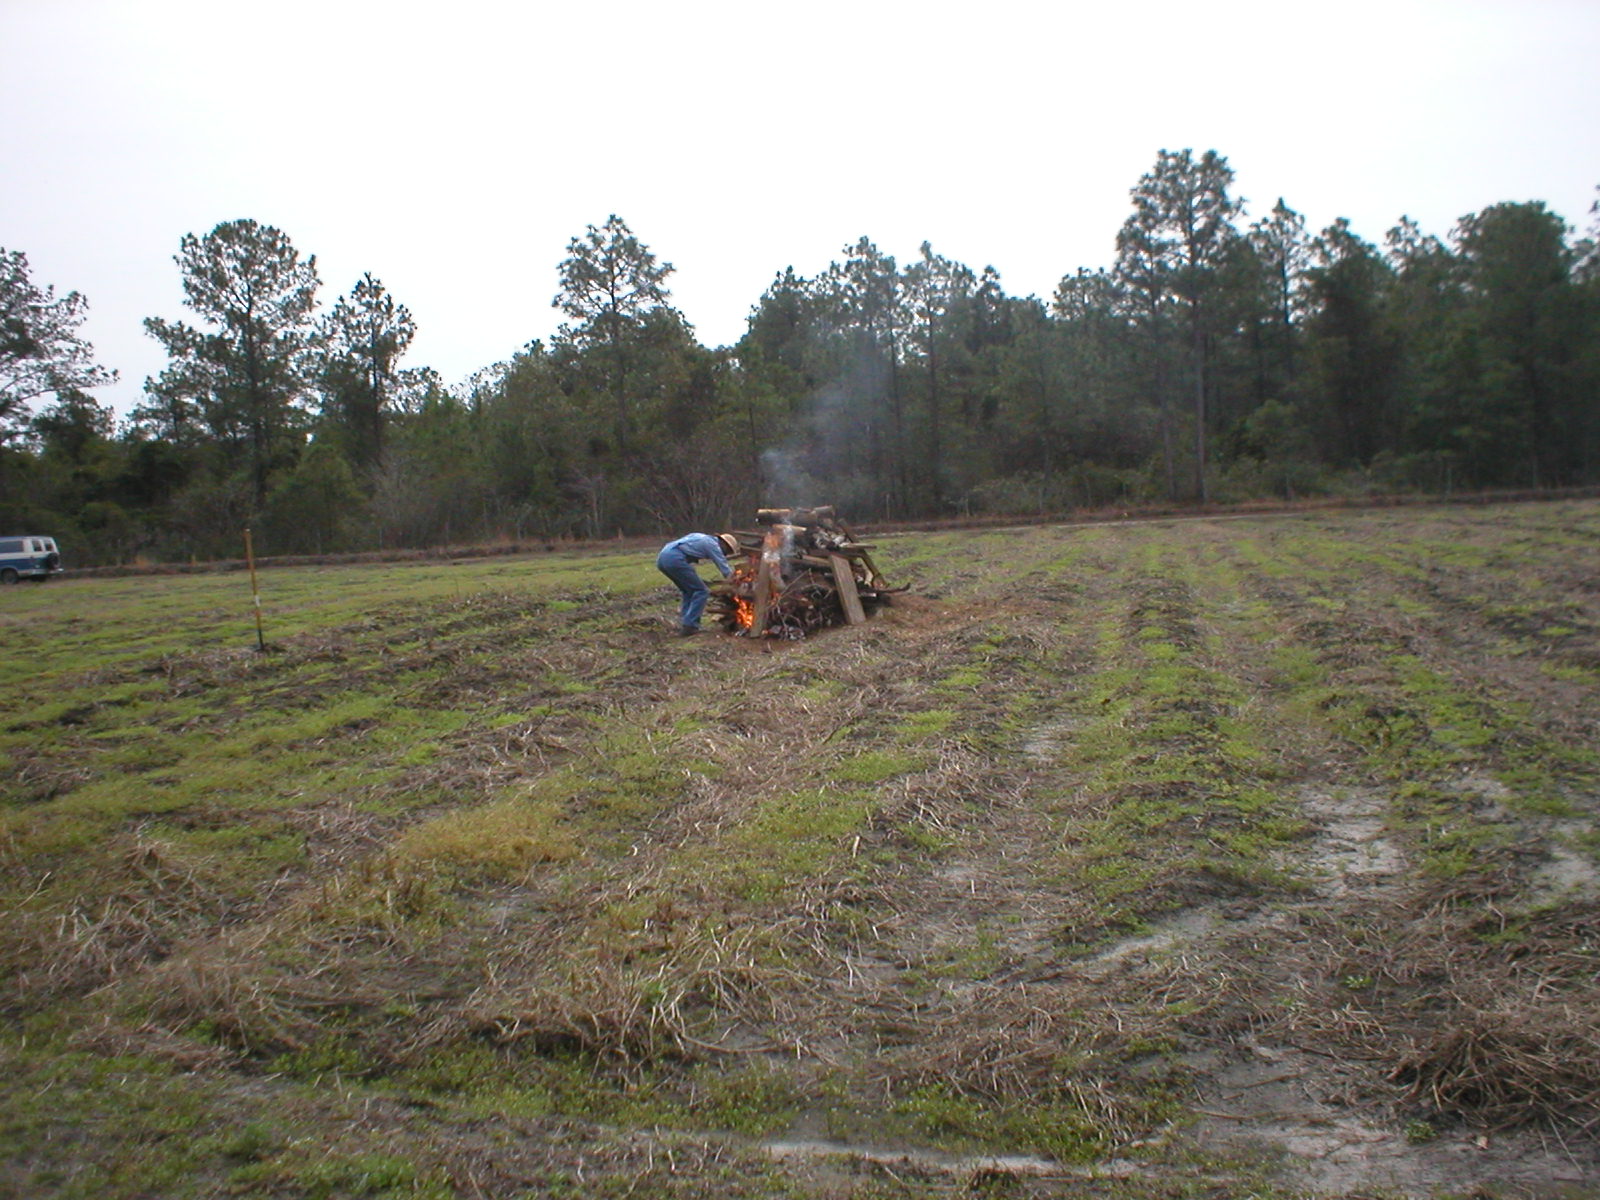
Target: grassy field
[1203, 858]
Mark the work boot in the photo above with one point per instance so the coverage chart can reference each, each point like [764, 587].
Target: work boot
[688, 630]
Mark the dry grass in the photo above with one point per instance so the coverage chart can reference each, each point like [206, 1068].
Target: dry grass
[1035, 855]
[681, 999]
[221, 991]
[1516, 1035]
[150, 897]
[1521, 1063]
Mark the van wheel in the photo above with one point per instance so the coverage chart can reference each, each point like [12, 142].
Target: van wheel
[52, 561]
[8, 576]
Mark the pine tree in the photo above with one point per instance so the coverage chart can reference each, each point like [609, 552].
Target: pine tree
[245, 378]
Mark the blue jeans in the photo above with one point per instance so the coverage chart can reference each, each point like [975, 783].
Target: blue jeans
[695, 592]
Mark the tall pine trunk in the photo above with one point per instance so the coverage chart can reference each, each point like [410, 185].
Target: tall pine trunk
[1198, 348]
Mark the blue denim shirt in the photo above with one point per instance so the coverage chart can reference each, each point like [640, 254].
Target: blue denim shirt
[692, 547]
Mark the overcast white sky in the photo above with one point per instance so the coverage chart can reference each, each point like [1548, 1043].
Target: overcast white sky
[453, 149]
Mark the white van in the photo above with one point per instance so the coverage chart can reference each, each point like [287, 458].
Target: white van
[28, 558]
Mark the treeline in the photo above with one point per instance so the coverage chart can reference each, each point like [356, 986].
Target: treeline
[1217, 359]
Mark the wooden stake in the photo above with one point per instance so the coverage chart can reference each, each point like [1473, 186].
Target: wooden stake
[255, 592]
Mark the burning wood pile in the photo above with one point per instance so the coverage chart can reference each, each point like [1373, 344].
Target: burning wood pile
[802, 571]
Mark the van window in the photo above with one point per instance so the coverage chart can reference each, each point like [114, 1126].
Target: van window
[10, 545]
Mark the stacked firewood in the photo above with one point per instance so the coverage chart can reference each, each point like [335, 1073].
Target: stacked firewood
[801, 571]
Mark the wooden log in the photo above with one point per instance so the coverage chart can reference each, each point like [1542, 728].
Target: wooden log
[769, 577]
[845, 579]
[764, 591]
[873, 577]
[821, 516]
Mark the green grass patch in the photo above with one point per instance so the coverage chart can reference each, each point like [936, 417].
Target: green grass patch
[876, 766]
[502, 840]
[788, 839]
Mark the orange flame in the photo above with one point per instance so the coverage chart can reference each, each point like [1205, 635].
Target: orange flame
[741, 598]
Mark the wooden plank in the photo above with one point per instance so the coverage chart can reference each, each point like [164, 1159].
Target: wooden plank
[845, 578]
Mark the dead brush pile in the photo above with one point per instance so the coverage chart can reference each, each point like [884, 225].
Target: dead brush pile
[1518, 1040]
[1514, 1064]
[1467, 1012]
